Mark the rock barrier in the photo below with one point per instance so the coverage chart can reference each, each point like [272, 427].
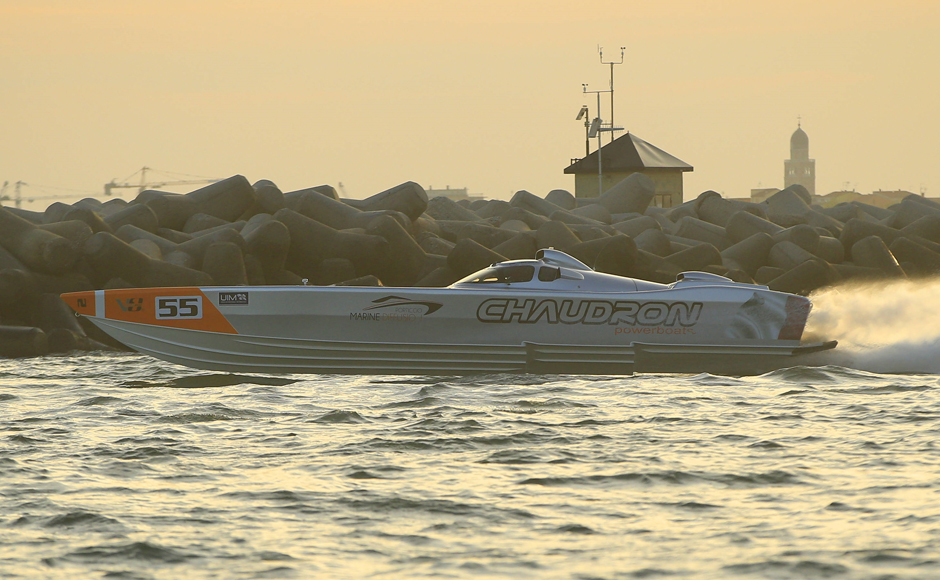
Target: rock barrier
[233, 232]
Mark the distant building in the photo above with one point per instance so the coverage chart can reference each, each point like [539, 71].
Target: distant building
[623, 157]
[454, 194]
[761, 194]
[799, 168]
[880, 198]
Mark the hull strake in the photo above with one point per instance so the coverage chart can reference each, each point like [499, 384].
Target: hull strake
[239, 353]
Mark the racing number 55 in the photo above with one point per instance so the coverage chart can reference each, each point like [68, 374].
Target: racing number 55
[189, 307]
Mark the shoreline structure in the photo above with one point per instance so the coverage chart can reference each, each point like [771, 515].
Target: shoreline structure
[234, 233]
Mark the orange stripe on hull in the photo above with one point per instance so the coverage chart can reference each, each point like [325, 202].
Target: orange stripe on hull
[186, 308]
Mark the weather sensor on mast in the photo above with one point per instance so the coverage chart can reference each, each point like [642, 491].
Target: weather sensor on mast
[598, 126]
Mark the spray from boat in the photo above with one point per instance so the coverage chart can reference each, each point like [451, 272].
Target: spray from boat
[882, 327]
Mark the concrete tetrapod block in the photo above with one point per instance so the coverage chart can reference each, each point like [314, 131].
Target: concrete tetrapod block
[515, 226]
[268, 197]
[804, 278]
[254, 270]
[201, 221]
[587, 252]
[556, 235]
[562, 198]
[632, 194]
[654, 242]
[712, 208]
[830, 250]
[843, 212]
[637, 226]
[787, 206]
[767, 273]
[432, 244]
[696, 258]
[405, 257]
[656, 269]
[20, 341]
[425, 224]
[696, 229]
[856, 229]
[89, 217]
[871, 252]
[73, 230]
[616, 218]
[803, 235]
[285, 278]
[15, 286]
[149, 248]
[312, 242]
[751, 253]
[55, 212]
[533, 203]
[618, 256]
[921, 199]
[594, 211]
[483, 234]
[442, 208]
[668, 226]
[172, 209]
[519, 247]
[54, 313]
[173, 236]
[226, 199]
[493, 208]
[270, 243]
[787, 255]
[129, 234]
[111, 257]
[926, 227]
[438, 278]
[588, 233]
[36, 248]
[682, 210]
[334, 271]
[566, 217]
[135, 214]
[468, 256]
[431, 263]
[743, 225]
[237, 226]
[340, 216]
[255, 222]
[925, 260]
[909, 211]
[848, 271]
[33, 217]
[408, 198]
[197, 247]
[166, 274]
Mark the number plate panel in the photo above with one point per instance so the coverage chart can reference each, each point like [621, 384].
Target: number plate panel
[178, 307]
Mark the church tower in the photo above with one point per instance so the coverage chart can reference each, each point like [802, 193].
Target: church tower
[799, 168]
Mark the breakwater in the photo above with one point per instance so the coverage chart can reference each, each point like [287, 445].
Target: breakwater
[233, 232]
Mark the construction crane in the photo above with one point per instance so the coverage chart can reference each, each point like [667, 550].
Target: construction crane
[17, 198]
[144, 184]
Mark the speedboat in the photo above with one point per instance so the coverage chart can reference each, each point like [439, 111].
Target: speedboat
[552, 314]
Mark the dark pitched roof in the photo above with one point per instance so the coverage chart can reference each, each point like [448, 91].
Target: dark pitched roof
[628, 153]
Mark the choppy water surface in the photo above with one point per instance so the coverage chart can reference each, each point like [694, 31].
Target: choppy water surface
[118, 466]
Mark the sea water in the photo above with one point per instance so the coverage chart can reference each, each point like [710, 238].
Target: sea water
[114, 465]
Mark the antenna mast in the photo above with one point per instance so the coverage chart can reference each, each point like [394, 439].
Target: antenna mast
[600, 51]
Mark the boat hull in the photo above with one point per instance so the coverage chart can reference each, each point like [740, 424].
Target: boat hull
[451, 331]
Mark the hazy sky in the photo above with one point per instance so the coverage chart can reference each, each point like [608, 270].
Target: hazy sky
[478, 94]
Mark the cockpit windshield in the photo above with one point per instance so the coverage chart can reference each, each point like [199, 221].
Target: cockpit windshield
[501, 275]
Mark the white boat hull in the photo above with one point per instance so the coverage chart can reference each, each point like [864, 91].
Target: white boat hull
[721, 329]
